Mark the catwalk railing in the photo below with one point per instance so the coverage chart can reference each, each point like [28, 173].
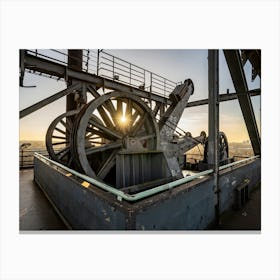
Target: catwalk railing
[26, 157]
[106, 65]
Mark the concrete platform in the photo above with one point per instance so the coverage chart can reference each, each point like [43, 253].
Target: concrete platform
[36, 212]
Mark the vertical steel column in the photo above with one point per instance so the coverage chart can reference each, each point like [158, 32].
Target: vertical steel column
[213, 121]
[75, 62]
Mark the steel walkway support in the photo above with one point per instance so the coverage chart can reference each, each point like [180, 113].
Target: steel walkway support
[213, 121]
[239, 81]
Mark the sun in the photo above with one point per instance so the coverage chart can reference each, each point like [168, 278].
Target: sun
[123, 119]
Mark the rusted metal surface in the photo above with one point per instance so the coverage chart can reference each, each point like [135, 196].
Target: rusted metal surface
[187, 207]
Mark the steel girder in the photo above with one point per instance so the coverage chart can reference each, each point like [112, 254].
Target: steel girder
[239, 81]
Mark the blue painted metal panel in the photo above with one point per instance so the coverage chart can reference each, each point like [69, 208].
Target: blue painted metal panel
[190, 206]
[229, 181]
[81, 207]
[191, 210]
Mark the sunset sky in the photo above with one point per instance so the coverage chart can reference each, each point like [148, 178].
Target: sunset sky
[176, 65]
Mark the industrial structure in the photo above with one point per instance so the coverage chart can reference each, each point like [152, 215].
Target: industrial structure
[116, 162]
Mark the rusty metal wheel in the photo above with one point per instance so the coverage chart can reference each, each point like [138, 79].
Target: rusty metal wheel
[58, 138]
[109, 124]
[223, 147]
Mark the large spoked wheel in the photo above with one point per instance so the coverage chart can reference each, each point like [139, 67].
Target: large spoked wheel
[58, 138]
[107, 125]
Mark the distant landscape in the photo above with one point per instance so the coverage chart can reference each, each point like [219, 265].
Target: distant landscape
[243, 149]
[35, 145]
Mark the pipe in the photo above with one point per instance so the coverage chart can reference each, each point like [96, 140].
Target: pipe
[237, 162]
[120, 194]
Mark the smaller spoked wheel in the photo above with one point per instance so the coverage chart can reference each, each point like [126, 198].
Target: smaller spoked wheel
[222, 146]
[109, 124]
[58, 138]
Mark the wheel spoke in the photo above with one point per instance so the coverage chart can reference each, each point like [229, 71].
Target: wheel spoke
[105, 117]
[110, 107]
[96, 142]
[60, 130]
[66, 125]
[128, 110]
[60, 143]
[96, 132]
[58, 137]
[103, 148]
[70, 161]
[119, 107]
[138, 124]
[62, 153]
[107, 165]
[108, 131]
[146, 137]
[93, 136]
[134, 117]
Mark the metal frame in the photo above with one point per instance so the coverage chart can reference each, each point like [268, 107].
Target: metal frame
[35, 63]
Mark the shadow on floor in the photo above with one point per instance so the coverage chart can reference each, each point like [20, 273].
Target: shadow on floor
[36, 212]
[247, 218]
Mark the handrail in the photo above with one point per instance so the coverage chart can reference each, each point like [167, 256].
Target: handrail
[107, 65]
[134, 197]
[120, 194]
[237, 162]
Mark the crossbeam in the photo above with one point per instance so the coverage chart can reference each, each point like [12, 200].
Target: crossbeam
[46, 101]
[223, 97]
